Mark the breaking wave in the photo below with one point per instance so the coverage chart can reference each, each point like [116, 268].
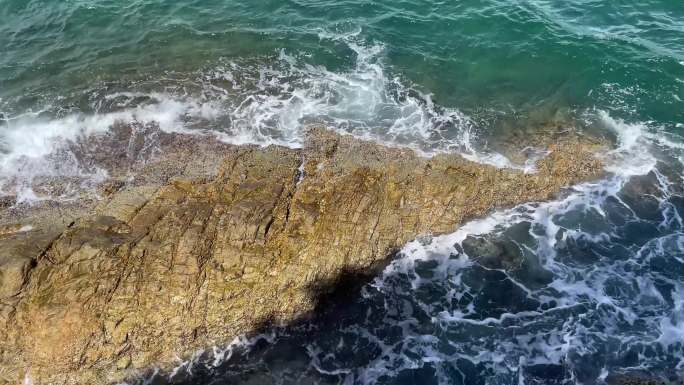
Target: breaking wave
[265, 102]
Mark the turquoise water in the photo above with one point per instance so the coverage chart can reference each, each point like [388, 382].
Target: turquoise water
[486, 58]
[601, 293]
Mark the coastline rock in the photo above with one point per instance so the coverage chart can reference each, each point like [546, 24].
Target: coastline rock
[159, 270]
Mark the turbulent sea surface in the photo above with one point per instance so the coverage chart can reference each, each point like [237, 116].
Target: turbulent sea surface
[600, 291]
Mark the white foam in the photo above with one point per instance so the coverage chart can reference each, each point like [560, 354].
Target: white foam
[266, 104]
[35, 147]
[672, 327]
[363, 102]
[31, 137]
[632, 156]
[271, 104]
[277, 101]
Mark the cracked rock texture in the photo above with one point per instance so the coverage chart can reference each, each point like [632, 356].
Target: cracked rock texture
[158, 270]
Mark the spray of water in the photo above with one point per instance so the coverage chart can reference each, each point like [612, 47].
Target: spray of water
[246, 103]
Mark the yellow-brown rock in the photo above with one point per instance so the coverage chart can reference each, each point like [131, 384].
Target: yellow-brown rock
[160, 271]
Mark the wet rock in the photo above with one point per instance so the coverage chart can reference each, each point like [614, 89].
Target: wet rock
[639, 379]
[493, 253]
[642, 194]
[7, 201]
[110, 187]
[523, 144]
[167, 265]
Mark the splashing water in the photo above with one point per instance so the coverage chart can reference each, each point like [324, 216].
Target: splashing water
[243, 104]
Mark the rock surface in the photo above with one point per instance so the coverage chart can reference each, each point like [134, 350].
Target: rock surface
[156, 270]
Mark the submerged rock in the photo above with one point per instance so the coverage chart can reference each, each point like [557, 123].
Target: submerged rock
[642, 196]
[640, 379]
[493, 253]
[156, 271]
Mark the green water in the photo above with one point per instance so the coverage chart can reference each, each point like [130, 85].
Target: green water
[484, 57]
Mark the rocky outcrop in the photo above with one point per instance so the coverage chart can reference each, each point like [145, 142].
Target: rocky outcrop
[157, 271]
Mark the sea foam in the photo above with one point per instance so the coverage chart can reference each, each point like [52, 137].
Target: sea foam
[262, 103]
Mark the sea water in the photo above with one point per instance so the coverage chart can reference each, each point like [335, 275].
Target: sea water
[599, 290]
